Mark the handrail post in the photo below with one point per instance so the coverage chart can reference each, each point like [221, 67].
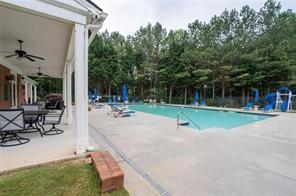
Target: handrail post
[178, 119]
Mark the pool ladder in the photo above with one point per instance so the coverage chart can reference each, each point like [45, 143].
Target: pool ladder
[185, 115]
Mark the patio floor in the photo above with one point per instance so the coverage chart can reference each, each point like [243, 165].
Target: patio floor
[39, 149]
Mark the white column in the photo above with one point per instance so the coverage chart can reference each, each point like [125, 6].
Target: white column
[65, 85]
[26, 92]
[69, 93]
[65, 91]
[86, 86]
[80, 90]
[35, 93]
[31, 93]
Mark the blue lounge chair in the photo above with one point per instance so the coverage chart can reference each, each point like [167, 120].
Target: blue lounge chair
[194, 103]
[122, 112]
[268, 108]
[99, 105]
[284, 106]
[116, 108]
[109, 101]
[203, 104]
[249, 106]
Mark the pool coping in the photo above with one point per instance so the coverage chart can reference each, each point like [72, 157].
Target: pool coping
[219, 109]
[271, 115]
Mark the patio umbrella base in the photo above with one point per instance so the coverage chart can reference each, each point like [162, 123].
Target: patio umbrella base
[12, 140]
[53, 131]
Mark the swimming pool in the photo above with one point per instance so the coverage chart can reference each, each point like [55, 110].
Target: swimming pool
[202, 117]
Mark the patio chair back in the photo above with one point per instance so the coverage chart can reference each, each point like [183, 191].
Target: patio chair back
[31, 107]
[54, 118]
[12, 120]
[61, 113]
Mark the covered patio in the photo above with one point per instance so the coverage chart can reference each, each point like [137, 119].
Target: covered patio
[60, 32]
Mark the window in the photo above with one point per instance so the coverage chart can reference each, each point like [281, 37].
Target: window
[6, 92]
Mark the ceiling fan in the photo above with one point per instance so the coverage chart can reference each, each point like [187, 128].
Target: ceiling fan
[23, 54]
[39, 74]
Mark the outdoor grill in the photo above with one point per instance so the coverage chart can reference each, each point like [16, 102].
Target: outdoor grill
[54, 101]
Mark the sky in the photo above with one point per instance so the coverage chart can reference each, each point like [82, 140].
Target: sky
[126, 16]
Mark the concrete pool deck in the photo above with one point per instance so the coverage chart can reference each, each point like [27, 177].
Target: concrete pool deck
[254, 159]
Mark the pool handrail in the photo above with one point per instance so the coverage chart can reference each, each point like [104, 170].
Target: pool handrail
[178, 119]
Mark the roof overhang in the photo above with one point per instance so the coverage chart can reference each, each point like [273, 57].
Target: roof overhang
[46, 27]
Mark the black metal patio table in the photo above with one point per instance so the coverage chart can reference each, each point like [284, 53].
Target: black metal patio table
[40, 114]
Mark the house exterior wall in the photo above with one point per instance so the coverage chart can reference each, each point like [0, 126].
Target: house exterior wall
[6, 92]
[5, 88]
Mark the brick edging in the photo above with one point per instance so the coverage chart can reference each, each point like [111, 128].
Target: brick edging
[108, 170]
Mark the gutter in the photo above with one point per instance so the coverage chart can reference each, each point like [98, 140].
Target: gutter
[65, 6]
[73, 9]
[85, 3]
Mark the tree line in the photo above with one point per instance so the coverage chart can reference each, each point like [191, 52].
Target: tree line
[229, 56]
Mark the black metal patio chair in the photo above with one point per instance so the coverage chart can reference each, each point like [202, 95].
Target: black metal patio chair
[12, 122]
[32, 120]
[53, 119]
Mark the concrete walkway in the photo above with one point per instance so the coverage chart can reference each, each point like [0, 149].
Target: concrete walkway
[255, 159]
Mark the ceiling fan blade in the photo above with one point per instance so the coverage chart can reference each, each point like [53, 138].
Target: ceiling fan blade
[29, 58]
[37, 57]
[11, 55]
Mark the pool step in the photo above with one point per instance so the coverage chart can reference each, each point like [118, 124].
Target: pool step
[186, 123]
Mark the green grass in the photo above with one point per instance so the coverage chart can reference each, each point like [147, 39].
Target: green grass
[71, 178]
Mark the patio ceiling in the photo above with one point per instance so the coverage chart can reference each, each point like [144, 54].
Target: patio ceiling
[44, 37]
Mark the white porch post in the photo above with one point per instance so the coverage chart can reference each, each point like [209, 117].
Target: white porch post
[26, 91]
[80, 90]
[69, 93]
[35, 93]
[65, 91]
[65, 85]
[31, 93]
[86, 85]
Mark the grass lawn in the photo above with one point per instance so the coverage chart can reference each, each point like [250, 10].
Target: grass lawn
[70, 178]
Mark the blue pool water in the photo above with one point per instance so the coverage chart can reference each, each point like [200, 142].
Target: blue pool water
[202, 117]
